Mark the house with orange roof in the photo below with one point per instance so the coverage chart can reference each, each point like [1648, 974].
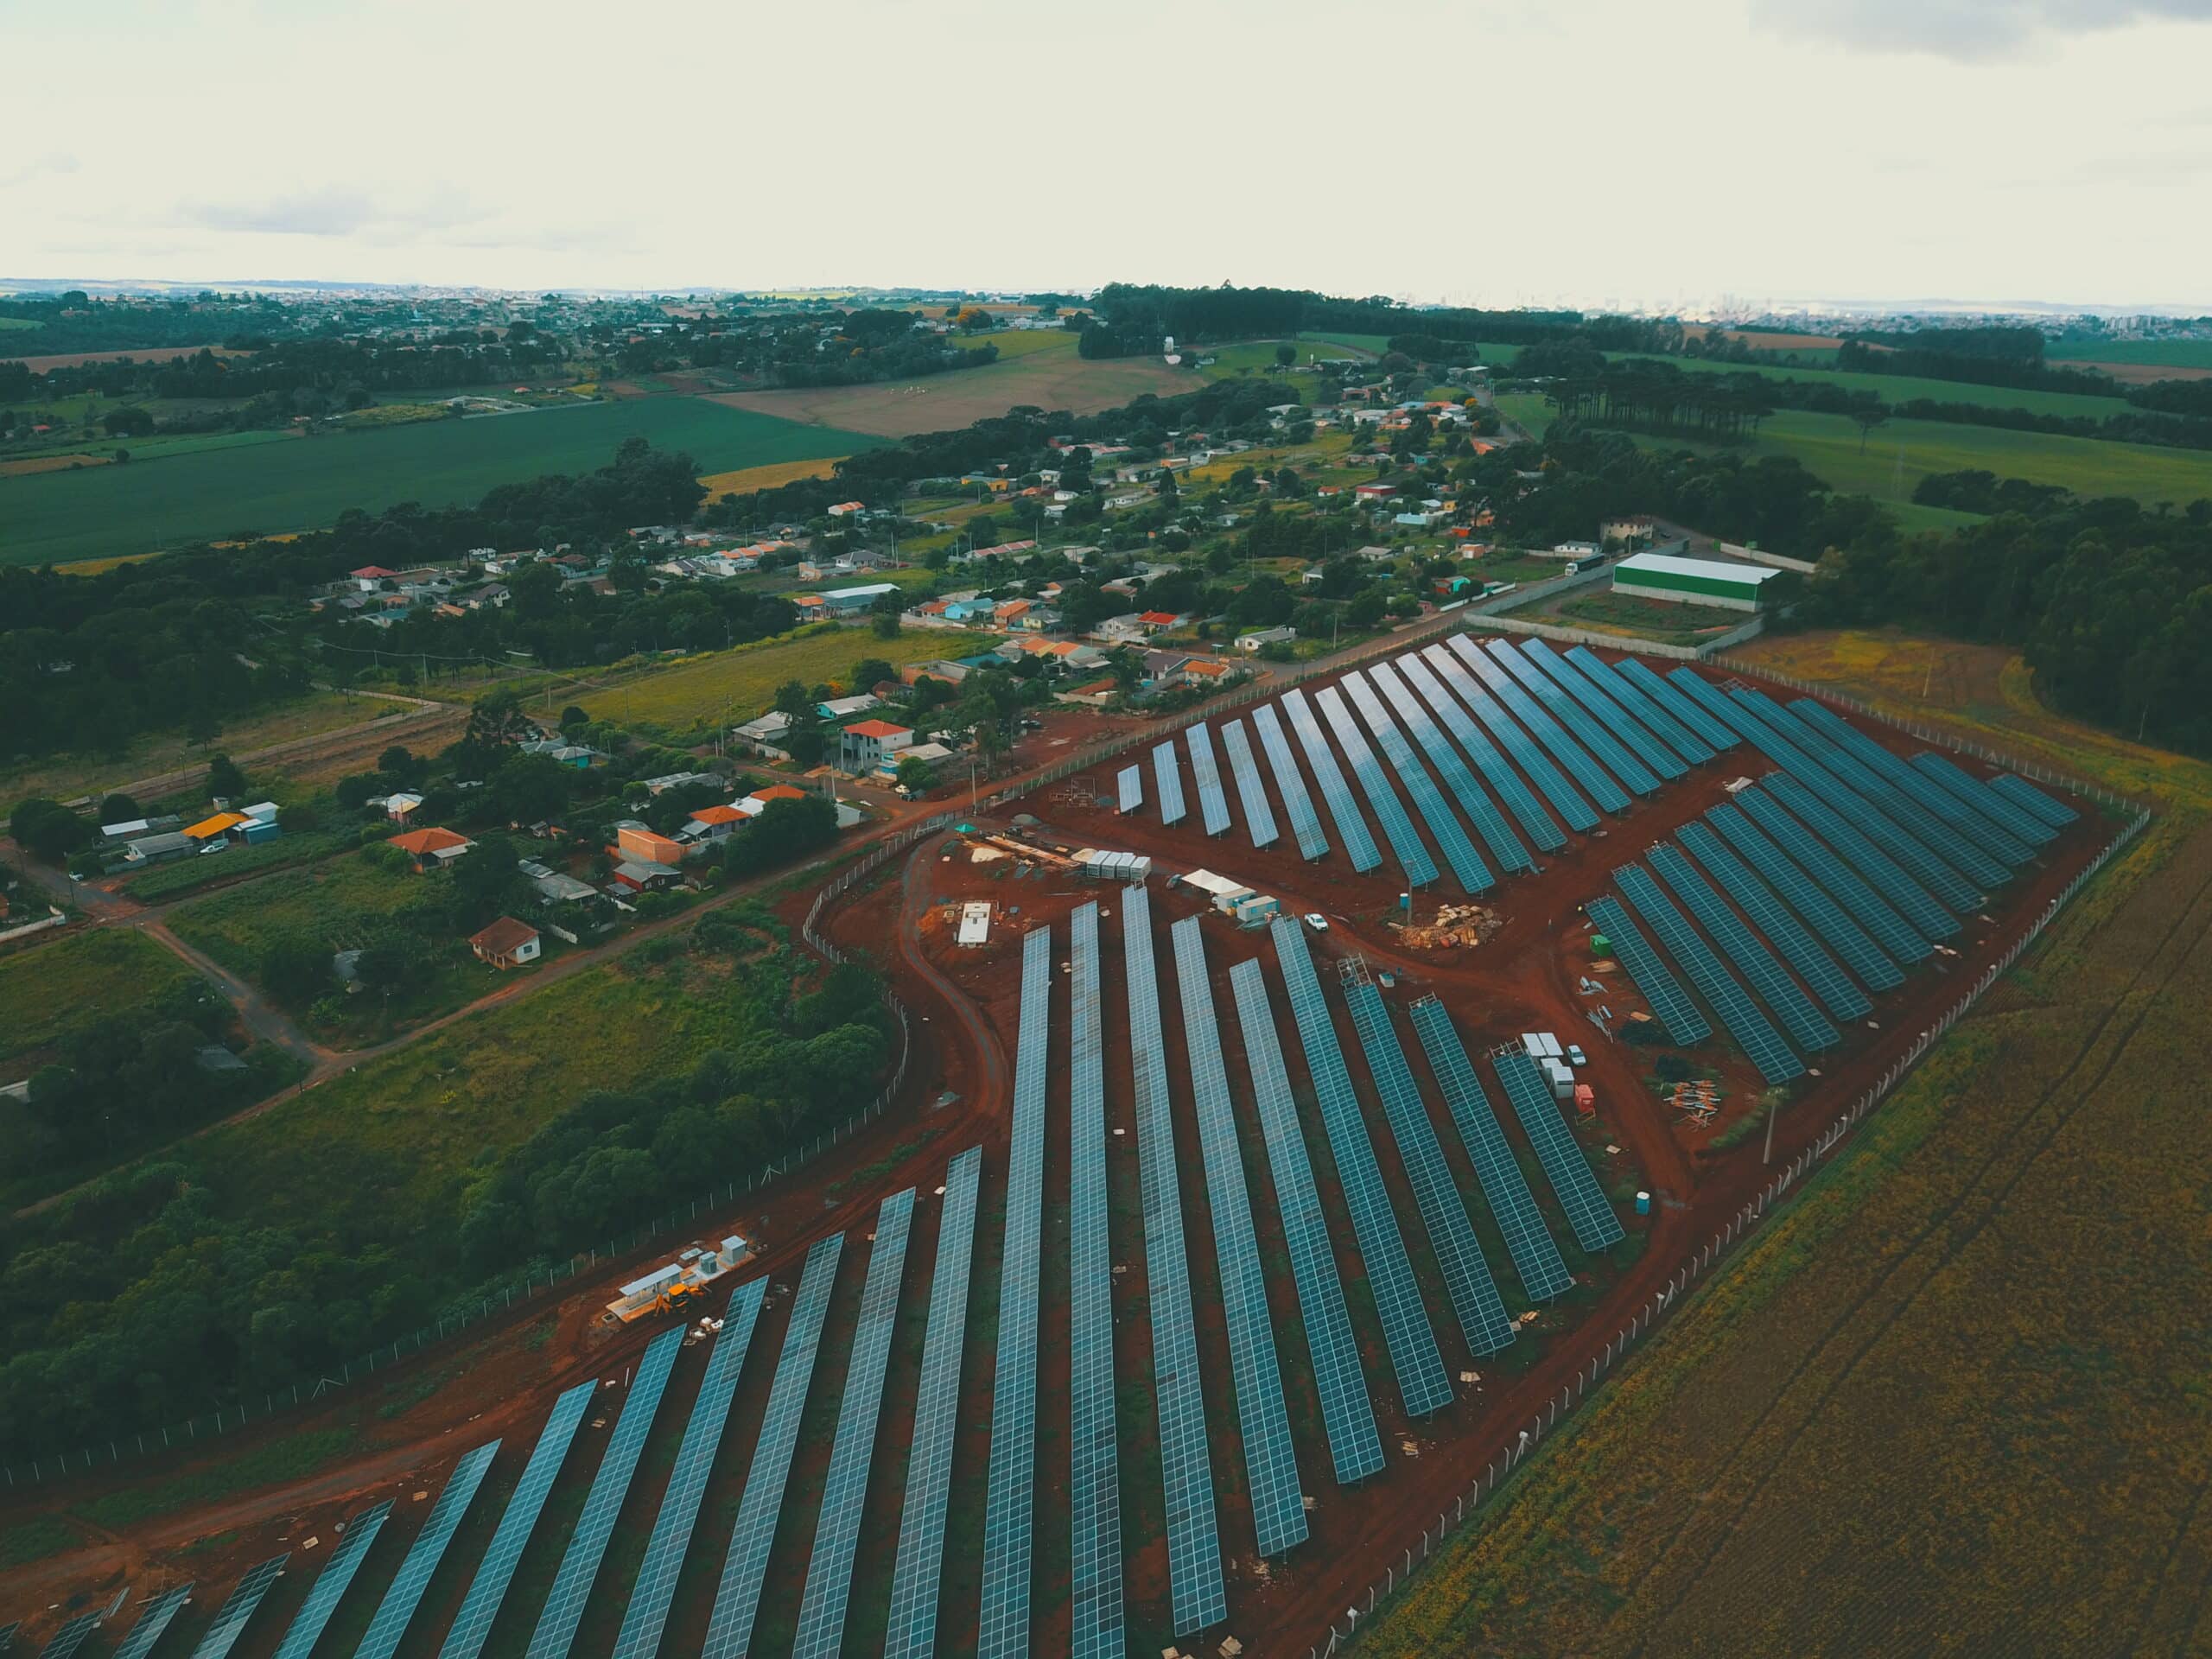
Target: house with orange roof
[214, 829]
[863, 744]
[507, 943]
[431, 848]
[711, 824]
[641, 846]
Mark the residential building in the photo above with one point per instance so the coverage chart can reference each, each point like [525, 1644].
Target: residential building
[711, 824]
[1260, 638]
[507, 943]
[766, 735]
[431, 848]
[640, 845]
[863, 746]
[845, 708]
[399, 804]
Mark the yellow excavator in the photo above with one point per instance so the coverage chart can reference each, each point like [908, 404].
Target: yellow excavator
[680, 1297]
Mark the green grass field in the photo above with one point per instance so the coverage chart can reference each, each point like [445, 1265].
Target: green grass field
[307, 483]
[1900, 388]
[50, 992]
[1017, 342]
[697, 693]
[2161, 353]
[1530, 410]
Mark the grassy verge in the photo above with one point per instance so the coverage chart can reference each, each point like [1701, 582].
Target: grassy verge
[292, 1458]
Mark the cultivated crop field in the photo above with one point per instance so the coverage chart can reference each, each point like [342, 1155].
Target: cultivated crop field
[1896, 389]
[726, 687]
[305, 483]
[2194, 355]
[745, 480]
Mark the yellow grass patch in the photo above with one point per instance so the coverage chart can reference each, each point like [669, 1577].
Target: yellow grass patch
[745, 479]
[31, 464]
[94, 567]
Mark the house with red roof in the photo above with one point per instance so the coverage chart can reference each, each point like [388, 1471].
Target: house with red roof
[864, 745]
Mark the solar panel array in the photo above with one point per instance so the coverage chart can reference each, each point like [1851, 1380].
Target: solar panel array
[70, 1637]
[1722, 736]
[1586, 772]
[912, 1632]
[473, 1623]
[1805, 1024]
[405, 1593]
[1355, 1447]
[1168, 777]
[1972, 791]
[1596, 1226]
[1503, 780]
[331, 1584]
[1421, 1381]
[1397, 828]
[744, 1569]
[1684, 1024]
[1194, 1578]
[1570, 713]
[159, 1612]
[8, 1634]
[844, 1490]
[1565, 799]
[1535, 1257]
[1657, 761]
[1914, 902]
[1986, 833]
[1488, 823]
[239, 1608]
[647, 1615]
[1351, 828]
[1638, 699]
[1813, 964]
[1304, 823]
[564, 1603]
[1251, 793]
[1867, 907]
[1129, 789]
[1004, 1628]
[1467, 866]
[1481, 1310]
[1751, 1028]
[1205, 771]
[1094, 1479]
[1263, 1419]
[2031, 800]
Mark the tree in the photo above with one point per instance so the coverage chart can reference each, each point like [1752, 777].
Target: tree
[793, 698]
[806, 744]
[870, 672]
[1869, 415]
[884, 624]
[225, 780]
[1286, 354]
[917, 774]
[297, 969]
[119, 808]
[572, 716]
[46, 830]
[397, 761]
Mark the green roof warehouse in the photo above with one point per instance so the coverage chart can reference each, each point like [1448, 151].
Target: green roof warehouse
[1691, 582]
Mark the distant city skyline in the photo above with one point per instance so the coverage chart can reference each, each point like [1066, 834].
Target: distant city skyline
[1994, 154]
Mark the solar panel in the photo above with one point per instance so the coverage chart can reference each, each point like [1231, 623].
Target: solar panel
[1251, 793]
[1913, 901]
[1355, 1447]
[1397, 828]
[1488, 822]
[1194, 1578]
[8, 1634]
[1868, 908]
[565, 1603]
[239, 1607]
[1814, 965]
[1805, 1024]
[1658, 760]
[160, 1611]
[1205, 771]
[1270, 1460]
[405, 1593]
[1129, 789]
[844, 1492]
[1946, 860]
[1670, 1004]
[1467, 866]
[70, 1637]
[1351, 828]
[1998, 843]
[1751, 1028]
[1596, 1226]
[1304, 822]
[1094, 1480]
[1966, 788]
[1530, 756]
[1718, 733]
[1421, 1381]
[331, 1584]
[1482, 1319]
[2031, 800]
[1495, 770]
[473, 1623]
[647, 1615]
[744, 1569]
[1555, 737]
[1646, 708]
[1535, 1258]
[1004, 1628]
[912, 1633]
[1571, 714]
[1169, 778]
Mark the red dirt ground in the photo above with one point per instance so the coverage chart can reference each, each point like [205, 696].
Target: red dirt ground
[965, 1017]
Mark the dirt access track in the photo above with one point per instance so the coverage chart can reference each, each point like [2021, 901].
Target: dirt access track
[1524, 974]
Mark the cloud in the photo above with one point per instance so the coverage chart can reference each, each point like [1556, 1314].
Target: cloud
[1962, 30]
[336, 211]
[53, 161]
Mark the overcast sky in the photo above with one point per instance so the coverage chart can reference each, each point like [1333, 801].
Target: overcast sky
[1481, 151]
